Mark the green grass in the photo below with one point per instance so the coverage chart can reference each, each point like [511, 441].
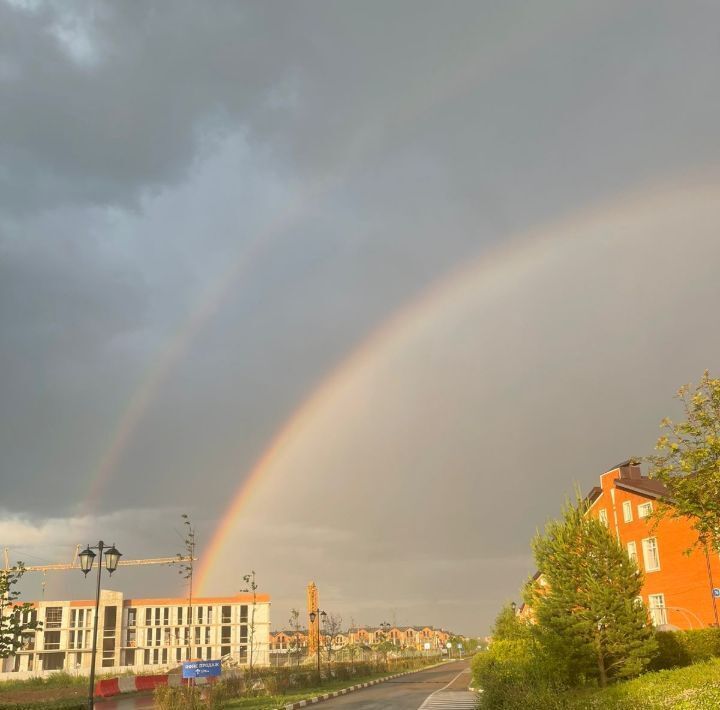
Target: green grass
[45, 705]
[56, 680]
[696, 687]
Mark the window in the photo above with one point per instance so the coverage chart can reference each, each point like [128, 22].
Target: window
[52, 640]
[632, 552]
[53, 617]
[148, 616]
[650, 554]
[79, 617]
[200, 614]
[132, 616]
[226, 617]
[76, 639]
[644, 510]
[658, 612]
[53, 661]
[180, 615]
[602, 517]
[225, 634]
[166, 615]
[627, 511]
[243, 613]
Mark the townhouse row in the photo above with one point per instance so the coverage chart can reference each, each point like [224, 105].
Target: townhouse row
[415, 637]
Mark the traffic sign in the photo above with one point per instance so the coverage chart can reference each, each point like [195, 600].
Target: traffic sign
[716, 592]
[201, 669]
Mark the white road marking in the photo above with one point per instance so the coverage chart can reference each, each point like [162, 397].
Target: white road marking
[447, 699]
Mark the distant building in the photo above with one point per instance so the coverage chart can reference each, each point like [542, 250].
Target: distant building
[143, 635]
[678, 587]
[404, 637]
[417, 637]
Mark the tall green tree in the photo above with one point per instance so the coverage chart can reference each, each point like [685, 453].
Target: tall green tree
[586, 602]
[16, 618]
[688, 460]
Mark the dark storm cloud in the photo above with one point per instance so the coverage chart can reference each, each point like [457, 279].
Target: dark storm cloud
[317, 81]
[367, 149]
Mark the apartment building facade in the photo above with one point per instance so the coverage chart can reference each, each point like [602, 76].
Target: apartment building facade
[678, 586]
[143, 635]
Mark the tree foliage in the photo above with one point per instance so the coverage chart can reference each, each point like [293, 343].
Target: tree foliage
[508, 626]
[16, 620]
[586, 602]
[688, 460]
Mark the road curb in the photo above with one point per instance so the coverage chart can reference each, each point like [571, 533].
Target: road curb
[353, 688]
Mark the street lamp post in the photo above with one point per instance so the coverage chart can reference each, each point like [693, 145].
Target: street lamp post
[318, 614]
[87, 557]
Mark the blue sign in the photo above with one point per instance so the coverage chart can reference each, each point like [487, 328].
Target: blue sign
[716, 592]
[201, 669]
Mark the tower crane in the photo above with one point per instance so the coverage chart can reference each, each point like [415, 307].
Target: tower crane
[58, 566]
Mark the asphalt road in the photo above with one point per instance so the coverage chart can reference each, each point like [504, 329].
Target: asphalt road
[445, 684]
[435, 688]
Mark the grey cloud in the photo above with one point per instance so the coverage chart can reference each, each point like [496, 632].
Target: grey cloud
[357, 153]
[529, 93]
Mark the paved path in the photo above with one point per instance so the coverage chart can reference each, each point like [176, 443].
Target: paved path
[441, 687]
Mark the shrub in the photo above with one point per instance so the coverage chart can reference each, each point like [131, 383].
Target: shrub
[681, 648]
[511, 671]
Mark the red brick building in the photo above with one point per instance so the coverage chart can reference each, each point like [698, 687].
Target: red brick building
[678, 587]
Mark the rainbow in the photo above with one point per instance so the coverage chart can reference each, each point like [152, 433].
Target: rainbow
[179, 344]
[466, 75]
[503, 263]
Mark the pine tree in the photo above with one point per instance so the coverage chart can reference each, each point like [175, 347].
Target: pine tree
[586, 602]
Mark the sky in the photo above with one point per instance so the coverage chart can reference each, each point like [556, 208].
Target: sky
[364, 288]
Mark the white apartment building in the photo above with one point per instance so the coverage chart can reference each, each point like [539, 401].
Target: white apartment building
[143, 635]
